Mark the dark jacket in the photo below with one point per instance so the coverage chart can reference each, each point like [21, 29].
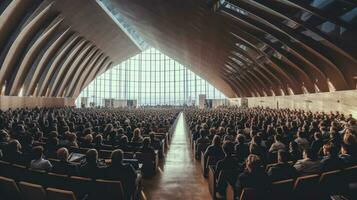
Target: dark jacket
[281, 171]
[65, 167]
[332, 163]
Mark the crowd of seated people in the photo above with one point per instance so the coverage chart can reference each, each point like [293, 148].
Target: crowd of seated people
[291, 142]
[32, 137]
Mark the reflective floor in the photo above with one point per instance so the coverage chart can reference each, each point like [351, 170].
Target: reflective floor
[179, 177]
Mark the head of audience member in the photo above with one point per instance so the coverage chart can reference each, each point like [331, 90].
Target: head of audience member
[349, 139]
[212, 131]
[152, 136]
[329, 150]
[228, 148]
[117, 157]
[253, 162]
[14, 146]
[294, 147]
[146, 142]
[257, 140]
[4, 136]
[240, 139]
[88, 139]
[278, 138]
[98, 140]
[317, 136]
[308, 153]
[62, 154]
[72, 138]
[345, 150]
[92, 156]
[137, 133]
[283, 156]
[37, 152]
[216, 140]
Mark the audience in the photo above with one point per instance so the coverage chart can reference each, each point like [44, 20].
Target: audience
[309, 164]
[64, 166]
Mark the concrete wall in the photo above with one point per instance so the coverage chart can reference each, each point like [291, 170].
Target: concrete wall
[343, 101]
[13, 102]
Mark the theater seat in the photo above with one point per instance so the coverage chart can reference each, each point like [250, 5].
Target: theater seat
[250, 194]
[31, 191]
[306, 187]
[331, 183]
[9, 189]
[57, 194]
[108, 190]
[282, 189]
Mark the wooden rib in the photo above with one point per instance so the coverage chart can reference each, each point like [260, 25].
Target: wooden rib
[64, 67]
[99, 56]
[79, 71]
[30, 89]
[58, 58]
[31, 55]
[69, 72]
[19, 44]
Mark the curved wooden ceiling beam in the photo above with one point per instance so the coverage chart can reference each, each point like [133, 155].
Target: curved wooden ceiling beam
[54, 84]
[30, 89]
[285, 35]
[99, 56]
[58, 57]
[31, 55]
[252, 26]
[306, 7]
[69, 72]
[10, 17]
[237, 85]
[103, 61]
[20, 43]
[330, 42]
[251, 84]
[80, 70]
[249, 40]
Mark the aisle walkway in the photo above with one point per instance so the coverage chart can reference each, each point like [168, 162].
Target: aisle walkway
[180, 176]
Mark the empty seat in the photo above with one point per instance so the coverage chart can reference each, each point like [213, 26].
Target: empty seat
[331, 183]
[57, 194]
[305, 187]
[282, 189]
[31, 191]
[111, 190]
[9, 189]
[81, 186]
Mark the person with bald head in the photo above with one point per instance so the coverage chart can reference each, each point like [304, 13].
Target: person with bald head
[64, 166]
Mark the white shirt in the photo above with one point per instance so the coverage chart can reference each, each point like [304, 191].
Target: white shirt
[40, 164]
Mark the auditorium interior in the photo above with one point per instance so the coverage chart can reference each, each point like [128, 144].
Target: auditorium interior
[178, 99]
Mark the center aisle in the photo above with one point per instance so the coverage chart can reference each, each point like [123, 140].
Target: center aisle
[179, 177]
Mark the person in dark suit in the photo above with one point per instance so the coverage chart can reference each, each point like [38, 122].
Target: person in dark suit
[241, 148]
[283, 170]
[348, 159]
[227, 163]
[154, 143]
[254, 175]
[331, 161]
[317, 144]
[14, 155]
[64, 166]
[91, 167]
[146, 148]
[214, 149]
[125, 173]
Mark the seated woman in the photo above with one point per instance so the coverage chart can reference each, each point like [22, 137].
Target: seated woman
[137, 138]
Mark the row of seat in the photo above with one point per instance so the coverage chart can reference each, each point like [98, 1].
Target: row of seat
[23, 190]
[81, 186]
[316, 186]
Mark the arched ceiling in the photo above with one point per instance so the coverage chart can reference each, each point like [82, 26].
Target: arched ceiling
[54, 48]
[255, 47]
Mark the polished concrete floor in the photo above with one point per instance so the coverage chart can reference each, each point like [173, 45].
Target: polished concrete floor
[179, 176]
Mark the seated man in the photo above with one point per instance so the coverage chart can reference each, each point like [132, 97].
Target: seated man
[309, 164]
[283, 170]
[227, 163]
[121, 172]
[214, 149]
[241, 148]
[39, 163]
[277, 145]
[331, 161]
[155, 143]
[64, 166]
[348, 159]
[91, 167]
[201, 141]
[254, 175]
[12, 153]
[146, 148]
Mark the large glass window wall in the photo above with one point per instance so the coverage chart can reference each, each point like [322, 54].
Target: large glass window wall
[151, 78]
